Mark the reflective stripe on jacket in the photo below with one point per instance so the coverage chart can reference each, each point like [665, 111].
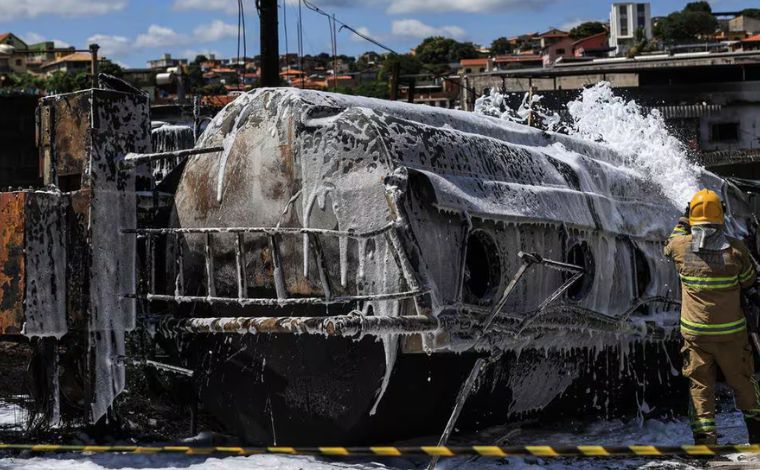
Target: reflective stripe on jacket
[711, 283]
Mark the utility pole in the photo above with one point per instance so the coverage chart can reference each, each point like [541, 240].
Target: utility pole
[270, 53]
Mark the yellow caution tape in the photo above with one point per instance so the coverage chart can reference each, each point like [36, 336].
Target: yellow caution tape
[395, 451]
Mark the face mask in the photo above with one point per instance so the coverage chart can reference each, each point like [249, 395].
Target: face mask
[708, 238]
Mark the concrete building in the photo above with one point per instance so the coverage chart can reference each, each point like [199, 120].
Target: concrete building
[744, 24]
[12, 54]
[596, 45]
[711, 101]
[555, 45]
[165, 62]
[625, 20]
[76, 62]
[474, 65]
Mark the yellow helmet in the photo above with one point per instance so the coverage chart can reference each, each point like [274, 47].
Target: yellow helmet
[705, 208]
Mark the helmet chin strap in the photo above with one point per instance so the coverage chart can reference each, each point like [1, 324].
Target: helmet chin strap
[708, 238]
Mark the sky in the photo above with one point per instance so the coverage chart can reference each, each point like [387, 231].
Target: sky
[130, 32]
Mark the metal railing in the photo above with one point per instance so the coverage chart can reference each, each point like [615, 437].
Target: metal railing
[313, 236]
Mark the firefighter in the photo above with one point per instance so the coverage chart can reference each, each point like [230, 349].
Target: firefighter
[713, 270]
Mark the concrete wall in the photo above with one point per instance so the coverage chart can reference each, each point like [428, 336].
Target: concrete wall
[747, 115]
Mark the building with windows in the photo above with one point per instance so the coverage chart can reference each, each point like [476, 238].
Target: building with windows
[629, 23]
[165, 62]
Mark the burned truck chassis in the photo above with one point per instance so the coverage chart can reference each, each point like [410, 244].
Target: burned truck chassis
[91, 260]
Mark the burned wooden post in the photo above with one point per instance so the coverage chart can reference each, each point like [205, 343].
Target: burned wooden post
[270, 55]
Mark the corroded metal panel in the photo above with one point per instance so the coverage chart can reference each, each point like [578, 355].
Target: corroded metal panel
[45, 253]
[12, 265]
[71, 124]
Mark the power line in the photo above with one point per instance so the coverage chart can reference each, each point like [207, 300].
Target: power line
[442, 76]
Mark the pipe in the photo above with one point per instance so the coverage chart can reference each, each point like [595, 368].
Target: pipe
[135, 158]
[342, 325]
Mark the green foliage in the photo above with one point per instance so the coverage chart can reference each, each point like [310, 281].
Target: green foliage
[407, 64]
[751, 13]
[110, 68]
[67, 82]
[25, 81]
[698, 6]
[589, 28]
[500, 46]
[375, 89]
[687, 25]
[437, 52]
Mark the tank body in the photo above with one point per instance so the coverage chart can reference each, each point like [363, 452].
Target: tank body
[464, 195]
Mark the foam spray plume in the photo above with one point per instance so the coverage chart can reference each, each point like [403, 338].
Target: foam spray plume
[641, 138]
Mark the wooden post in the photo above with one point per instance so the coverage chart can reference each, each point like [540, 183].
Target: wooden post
[94, 64]
[394, 81]
[270, 54]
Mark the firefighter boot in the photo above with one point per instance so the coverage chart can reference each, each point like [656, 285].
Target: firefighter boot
[704, 431]
[753, 429]
[705, 438]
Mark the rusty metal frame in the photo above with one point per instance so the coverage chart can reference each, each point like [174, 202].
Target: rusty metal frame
[272, 233]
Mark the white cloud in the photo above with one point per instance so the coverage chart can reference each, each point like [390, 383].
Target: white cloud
[34, 38]
[227, 6]
[570, 24]
[160, 36]
[417, 29]
[467, 6]
[24, 9]
[214, 31]
[111, 46]
[364, 31]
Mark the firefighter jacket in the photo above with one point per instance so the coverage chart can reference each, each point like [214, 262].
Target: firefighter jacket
[711, 283]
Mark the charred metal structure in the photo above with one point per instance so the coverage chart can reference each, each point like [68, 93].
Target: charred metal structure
[327, 269]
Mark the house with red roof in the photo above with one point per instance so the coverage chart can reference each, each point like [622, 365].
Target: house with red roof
[596, 45]
[473, 65]
[751, 43]
[555, 44]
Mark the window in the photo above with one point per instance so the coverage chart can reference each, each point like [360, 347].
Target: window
[623, 10]
[560, 51]
[624, 26]
[482, 275]
[467, 70]
[643, 272]
[580, 255]
[641, 9]
[482, 69]
[725, 132]
[18, 62]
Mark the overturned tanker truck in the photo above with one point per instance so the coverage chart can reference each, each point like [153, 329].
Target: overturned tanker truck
[328, 269]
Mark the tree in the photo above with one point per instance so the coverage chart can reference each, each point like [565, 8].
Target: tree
[687, 25]
[407, 64]
[437, 52]
[589, 28]
[110, 68]
[500, 46]
[751, 13]
[702, 6]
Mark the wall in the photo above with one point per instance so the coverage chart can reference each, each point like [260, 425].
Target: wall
[747, 115]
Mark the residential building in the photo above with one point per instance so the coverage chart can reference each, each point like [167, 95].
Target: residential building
[555, 45]
[467, 66]
[516, 61]
[744, 24]
[596, 45]
[45, 52]
[751, 43]
[76, 62]
[12, 54]
[628, 23]
[165, 62]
